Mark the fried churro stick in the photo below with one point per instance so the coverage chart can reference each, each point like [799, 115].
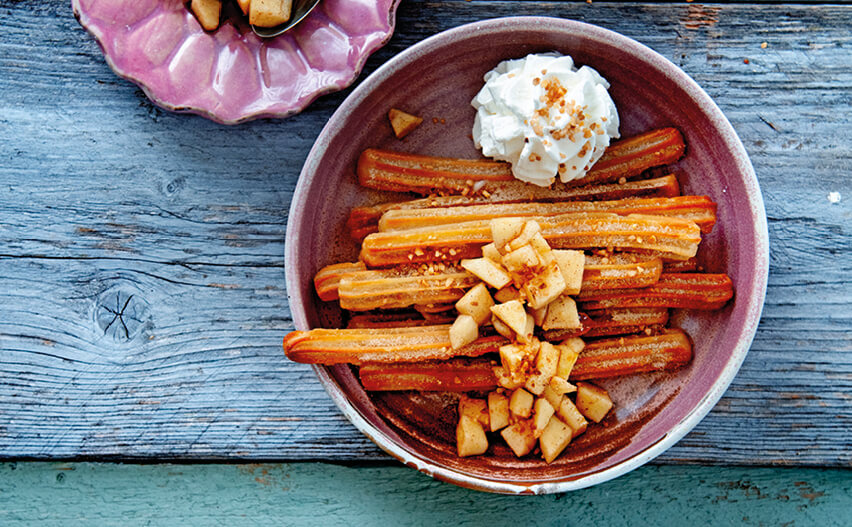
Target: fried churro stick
[617, 322]
[398, 319]
[599, 360]
[454, 375]
[700, 209]
[401, 172]
[399, 288]
[687, 290]
[684, 266]
[356, 346]
[327, 280]
[672, 238]
[608, 272]
[434, 287]
[365, 220]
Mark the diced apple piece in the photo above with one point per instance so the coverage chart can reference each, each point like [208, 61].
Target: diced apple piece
[562, 314]
[545, 364]
[490, 251]
[571, 265]
[498, 411]
[561, 386]
[529, 328]
[502, 328]
[463, 331]
[506, 379]
[476, 303]
[207, 12]
[504, 230]
[542, 412]
[540, 245]
[403, 123]
[470, 437]
[554, 439]
[531, 228]
[572, 417]
[569, 350]
[554, 398]
[512, 356]
[538, 315]
[521, 262]
[593, 401]
[519, 437]
[244, 6]
[506, 294]
[513, 314]
[487, 271]
[476, 409]
[269, 13]
[521, 403]
[544, 287]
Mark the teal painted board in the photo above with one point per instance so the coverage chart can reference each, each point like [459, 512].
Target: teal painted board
[142, 298]
[60, 494]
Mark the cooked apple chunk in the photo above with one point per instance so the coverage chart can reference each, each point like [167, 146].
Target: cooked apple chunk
[554, 439]
[569, 350]
[498, 411]
[519, 437]
[490, 251]
[593, 401]
[501, 328]
[512, 356]
[506, 294]
[572, 417]
[521, 403]
[561, 386]
[571, 264]
[244, 6]
[463, 331]
[552, 396]
[207, 12]
[470, 437]
[269, 13]
[545, 365]
[487, 271]
[531, 228]
[506, 379]
[476, 303]
[542, 412]
[504, 230]
[513, 314]
[476, 409]
[562, 314]
[527, 336]
[521, 262]
[403, 123]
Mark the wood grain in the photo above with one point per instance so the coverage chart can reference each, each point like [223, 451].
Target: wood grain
[308, 494]
[141, 252]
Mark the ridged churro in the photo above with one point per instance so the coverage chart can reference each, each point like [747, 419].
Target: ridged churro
[365, 220]
[600, 359]
[676, 290]
[402, 172]
[617, 322]
[699, 209]
[672, 238]
[327, 280]
[356, 346]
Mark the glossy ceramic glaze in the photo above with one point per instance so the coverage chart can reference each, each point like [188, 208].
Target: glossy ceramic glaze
[436, 79]
[232, 75]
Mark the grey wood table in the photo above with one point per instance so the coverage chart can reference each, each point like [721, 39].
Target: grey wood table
[142, 298]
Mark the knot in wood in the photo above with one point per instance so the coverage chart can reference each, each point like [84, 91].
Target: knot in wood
[121, 314]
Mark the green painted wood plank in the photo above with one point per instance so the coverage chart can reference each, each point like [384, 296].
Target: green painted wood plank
[60, 494]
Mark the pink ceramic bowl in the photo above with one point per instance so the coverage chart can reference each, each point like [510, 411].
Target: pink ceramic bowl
[230, 75]
[437, 79]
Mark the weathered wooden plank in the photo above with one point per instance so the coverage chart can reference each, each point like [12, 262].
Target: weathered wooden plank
[107, 200]
[59, 494]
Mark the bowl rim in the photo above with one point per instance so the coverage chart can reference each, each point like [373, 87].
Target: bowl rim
[755, 298]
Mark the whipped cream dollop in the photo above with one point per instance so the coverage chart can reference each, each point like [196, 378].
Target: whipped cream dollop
[545, 117]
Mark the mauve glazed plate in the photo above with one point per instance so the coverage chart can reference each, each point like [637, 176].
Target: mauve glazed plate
[436, 79]
[231, 75]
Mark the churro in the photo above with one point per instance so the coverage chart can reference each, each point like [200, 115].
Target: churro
[676, 290]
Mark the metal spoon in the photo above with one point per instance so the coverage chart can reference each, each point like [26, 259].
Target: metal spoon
[301, 8]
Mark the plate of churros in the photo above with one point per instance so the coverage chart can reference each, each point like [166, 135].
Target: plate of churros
[526, 255]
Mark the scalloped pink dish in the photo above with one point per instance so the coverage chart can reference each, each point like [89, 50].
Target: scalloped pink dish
[231, 75]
